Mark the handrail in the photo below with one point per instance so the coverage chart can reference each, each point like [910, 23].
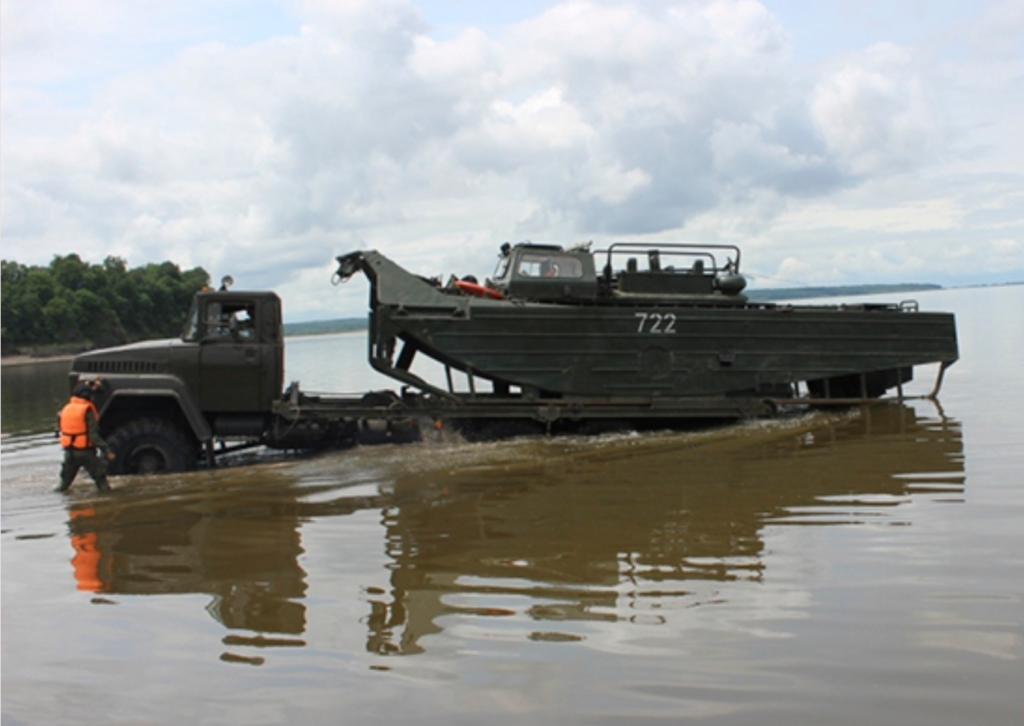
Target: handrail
[678, 249]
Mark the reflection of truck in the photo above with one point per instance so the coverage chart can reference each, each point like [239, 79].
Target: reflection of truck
[567, 346]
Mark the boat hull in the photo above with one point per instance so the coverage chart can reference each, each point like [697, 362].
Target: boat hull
[675, 351]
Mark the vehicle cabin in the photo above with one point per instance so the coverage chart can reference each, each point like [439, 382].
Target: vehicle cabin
[550, 273]
[546, 273]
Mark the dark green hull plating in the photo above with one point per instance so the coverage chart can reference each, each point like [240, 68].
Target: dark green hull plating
[601, 352]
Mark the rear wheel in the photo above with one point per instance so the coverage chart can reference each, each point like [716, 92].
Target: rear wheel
[150, 446]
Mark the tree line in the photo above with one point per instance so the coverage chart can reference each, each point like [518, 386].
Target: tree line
[72, 302]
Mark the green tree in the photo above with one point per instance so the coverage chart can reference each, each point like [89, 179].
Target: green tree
[74, 302]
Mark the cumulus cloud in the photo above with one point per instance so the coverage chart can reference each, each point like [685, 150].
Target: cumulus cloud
[362, 127]
[622, 104]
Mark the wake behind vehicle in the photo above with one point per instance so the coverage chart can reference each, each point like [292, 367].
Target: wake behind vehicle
[558, 339]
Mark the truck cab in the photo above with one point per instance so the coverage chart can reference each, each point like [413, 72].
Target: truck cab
[163, 402]
[237, 361]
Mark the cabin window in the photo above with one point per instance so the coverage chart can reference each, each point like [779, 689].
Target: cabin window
[502, 269]
[547, 265]
[231, 319]
[191, 331]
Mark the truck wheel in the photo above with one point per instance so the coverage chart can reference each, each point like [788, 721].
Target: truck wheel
[150, 446]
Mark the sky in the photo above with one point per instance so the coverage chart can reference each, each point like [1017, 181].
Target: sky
[836, 142]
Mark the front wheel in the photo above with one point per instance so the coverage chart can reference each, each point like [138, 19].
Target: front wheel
[150, 446]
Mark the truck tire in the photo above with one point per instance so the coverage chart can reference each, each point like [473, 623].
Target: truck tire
[150, 446]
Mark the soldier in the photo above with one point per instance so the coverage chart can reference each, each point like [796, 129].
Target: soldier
[80, 437]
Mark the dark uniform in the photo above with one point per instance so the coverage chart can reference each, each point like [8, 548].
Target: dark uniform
[80, 437]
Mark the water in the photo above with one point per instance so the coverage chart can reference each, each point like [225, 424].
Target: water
[841, 568]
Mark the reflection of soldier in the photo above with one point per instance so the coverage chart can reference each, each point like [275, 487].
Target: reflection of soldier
[245, 555]
[80, 436]
[88, 561]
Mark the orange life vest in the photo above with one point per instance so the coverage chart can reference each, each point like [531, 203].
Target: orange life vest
[74, 431]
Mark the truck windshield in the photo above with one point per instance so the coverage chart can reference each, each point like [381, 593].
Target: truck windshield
[190, 333]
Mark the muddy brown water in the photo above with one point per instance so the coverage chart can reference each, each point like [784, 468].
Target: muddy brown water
[841, 568]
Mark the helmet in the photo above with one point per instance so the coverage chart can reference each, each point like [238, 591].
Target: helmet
[83, 390]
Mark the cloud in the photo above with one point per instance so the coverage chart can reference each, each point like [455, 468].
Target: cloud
[357, 125]
[875, 114]
[999, 30]
[632, 93]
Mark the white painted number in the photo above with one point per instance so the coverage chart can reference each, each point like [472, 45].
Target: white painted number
[656, 323]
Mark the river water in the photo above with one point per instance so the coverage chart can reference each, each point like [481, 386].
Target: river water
[840, 568]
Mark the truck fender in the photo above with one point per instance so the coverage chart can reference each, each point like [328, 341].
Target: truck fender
[157, 386]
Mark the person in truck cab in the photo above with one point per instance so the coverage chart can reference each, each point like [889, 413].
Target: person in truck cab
[80, 437]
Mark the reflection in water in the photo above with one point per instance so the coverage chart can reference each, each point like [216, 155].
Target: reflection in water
[32, 394]
[626, 531]
[240, 549]
[88, 562]
[560, 533]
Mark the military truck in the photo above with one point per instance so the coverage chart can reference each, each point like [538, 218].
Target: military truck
[553, 343]
[170, 405]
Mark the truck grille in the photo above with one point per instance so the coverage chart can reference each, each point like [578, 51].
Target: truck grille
[121, 366]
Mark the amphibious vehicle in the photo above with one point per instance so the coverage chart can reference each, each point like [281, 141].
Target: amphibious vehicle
[639, 320]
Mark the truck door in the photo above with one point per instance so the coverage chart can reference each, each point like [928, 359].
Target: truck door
[231, 367]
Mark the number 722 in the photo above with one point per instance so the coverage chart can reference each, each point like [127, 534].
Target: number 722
[656, 323]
